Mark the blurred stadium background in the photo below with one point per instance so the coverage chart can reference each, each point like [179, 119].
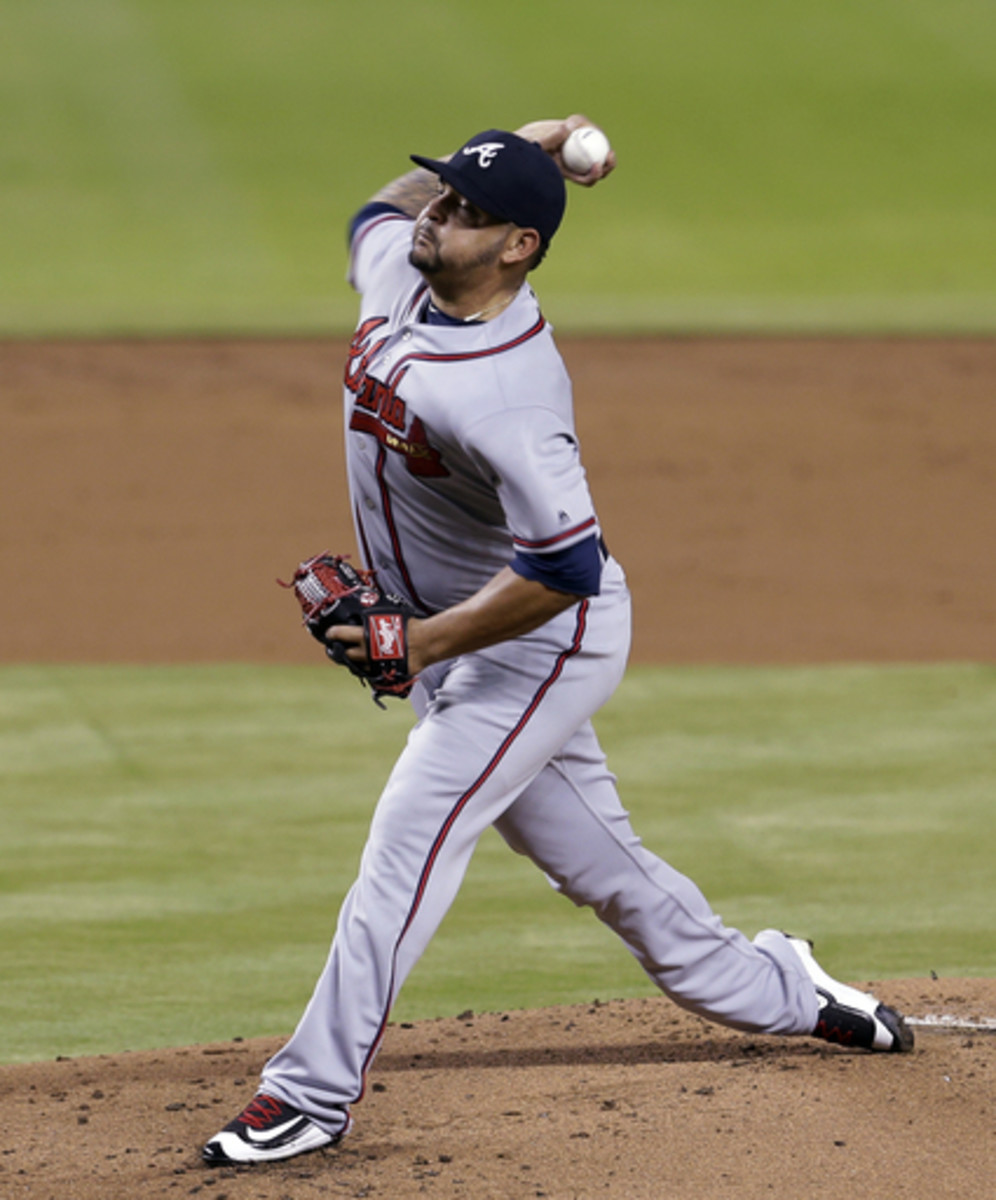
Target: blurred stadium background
[190, 165]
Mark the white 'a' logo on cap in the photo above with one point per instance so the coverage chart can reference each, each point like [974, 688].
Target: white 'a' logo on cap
[486, 152]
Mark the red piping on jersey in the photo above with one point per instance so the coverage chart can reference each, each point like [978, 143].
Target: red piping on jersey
[364, 544]
[468, 355]
[546, 543]
[558, 668]
[392, 529]
[414, 302]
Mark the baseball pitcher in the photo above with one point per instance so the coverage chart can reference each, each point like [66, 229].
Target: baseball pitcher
[487, 592]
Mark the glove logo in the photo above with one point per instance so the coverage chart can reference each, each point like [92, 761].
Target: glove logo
[387, 633]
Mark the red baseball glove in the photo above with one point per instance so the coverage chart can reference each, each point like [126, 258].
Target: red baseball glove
[333, 592]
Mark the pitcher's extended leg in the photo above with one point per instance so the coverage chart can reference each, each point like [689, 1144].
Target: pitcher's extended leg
[571, 823]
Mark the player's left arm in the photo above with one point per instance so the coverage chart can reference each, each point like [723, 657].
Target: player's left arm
[508, 606]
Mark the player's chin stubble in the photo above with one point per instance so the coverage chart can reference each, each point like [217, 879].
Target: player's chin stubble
[424, 252]
[424, 255]
[424, 261]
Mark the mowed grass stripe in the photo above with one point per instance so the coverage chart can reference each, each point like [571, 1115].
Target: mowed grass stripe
[176, 840]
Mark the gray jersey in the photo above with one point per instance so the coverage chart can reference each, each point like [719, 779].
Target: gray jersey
[461, 448]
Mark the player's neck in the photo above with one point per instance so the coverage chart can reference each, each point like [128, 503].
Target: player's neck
[474, 306]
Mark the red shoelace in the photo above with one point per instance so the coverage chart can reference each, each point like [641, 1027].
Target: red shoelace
[261, 1111]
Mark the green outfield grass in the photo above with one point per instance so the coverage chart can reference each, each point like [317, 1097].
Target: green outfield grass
[172, 165]
[176, 840]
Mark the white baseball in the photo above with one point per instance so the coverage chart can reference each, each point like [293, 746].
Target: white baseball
[585, 148]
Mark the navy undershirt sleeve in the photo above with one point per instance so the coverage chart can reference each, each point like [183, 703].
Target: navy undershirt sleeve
[576, 570]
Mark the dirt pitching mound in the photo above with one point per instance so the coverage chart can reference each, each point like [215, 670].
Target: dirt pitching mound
[631, 1099]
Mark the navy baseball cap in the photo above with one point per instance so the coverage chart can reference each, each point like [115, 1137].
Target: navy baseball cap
[508, 177]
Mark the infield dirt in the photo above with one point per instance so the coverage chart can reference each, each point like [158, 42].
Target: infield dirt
[773, 501]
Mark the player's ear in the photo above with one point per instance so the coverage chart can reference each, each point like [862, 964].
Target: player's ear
[520, 245]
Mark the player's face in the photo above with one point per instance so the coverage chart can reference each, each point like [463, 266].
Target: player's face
[452, 235]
